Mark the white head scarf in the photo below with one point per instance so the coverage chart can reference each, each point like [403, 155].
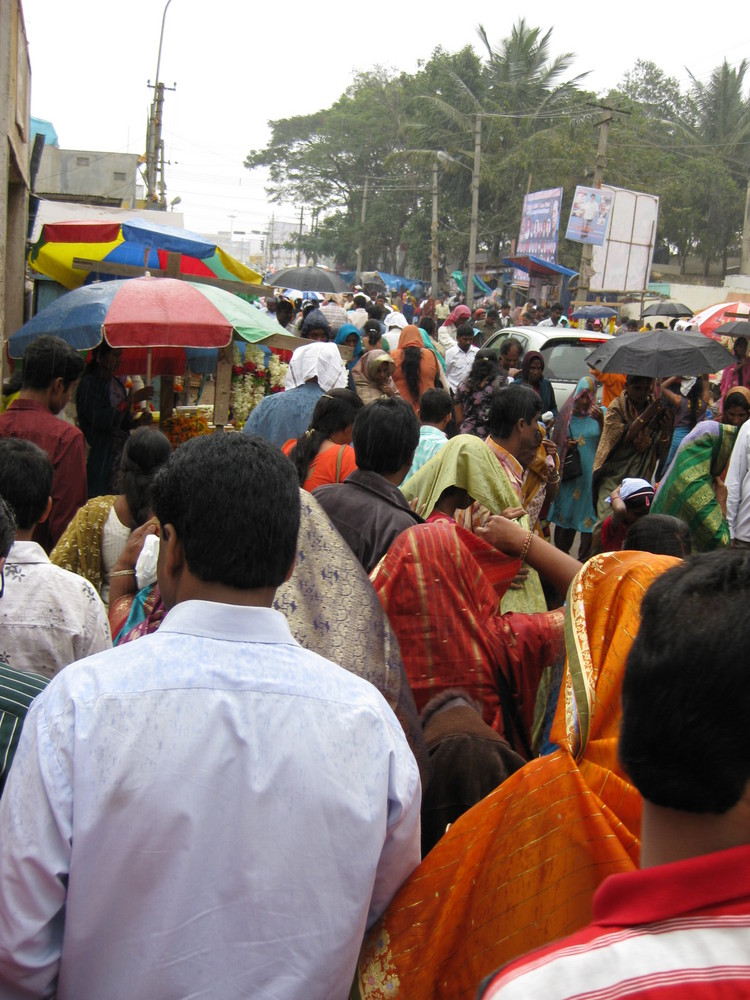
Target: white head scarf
[321, 361]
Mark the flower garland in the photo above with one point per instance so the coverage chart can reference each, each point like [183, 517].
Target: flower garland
[252, 381]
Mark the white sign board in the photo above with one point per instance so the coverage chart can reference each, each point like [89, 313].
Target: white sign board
[623, 262]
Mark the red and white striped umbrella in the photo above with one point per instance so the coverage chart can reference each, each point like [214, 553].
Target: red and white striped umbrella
[723, 312]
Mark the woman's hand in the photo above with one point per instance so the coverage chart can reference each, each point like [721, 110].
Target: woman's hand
[503, 534]
[129, 555]
[140, 395]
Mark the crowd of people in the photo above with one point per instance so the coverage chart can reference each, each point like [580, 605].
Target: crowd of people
[326, 707]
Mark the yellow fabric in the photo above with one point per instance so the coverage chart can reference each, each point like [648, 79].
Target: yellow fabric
[465, 461]
[519, 869]
[79, 550]
[56, 260]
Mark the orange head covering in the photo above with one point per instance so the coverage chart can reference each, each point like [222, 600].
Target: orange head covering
[410, 337]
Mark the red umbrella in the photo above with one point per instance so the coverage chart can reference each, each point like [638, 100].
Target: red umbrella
[707, 320]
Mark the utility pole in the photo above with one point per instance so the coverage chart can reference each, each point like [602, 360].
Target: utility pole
[315, 212]
[154, 141]
[745, 260]
[434, 269]
[299, 237]
[269, 242]
[358, 276]
[474, 212]
[587, 250]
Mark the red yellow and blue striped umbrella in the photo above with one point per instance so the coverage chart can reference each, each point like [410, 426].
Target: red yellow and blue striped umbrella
[133, 242]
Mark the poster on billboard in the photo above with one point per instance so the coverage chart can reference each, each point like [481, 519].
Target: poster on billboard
[623, 262]
[589, 215]
[540, 223]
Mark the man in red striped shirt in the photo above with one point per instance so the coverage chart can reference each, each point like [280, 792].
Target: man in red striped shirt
[679, 927]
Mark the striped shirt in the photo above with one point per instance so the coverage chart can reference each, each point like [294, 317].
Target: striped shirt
[17, 691]
[680, 930]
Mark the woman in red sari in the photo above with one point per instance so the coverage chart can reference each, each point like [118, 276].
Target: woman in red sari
[446, 615]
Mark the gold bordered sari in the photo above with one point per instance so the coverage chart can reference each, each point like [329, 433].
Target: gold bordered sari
[519, 869]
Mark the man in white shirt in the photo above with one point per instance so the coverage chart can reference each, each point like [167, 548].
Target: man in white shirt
[554, 317]
[210, 810]
[459, 359]
[49, 617]
[738, 489]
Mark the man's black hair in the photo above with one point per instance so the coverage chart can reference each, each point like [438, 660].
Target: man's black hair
[508, 345]
[511, 403]
[661, 534]
[434, 406]
[493, 313]
[685, 738]
[427, 323]
[145, 451]
[25, 480]
[50, 358]
[465, 330]
[234, 502]
[385, 436]
[7, 529]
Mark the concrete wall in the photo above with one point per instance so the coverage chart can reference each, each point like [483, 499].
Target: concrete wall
[88, 175]
[15, 134]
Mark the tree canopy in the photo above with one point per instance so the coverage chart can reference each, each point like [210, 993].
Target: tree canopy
[538, 123]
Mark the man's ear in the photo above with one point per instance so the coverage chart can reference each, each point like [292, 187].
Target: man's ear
[173, 552]
[288, 576]
[47, 511]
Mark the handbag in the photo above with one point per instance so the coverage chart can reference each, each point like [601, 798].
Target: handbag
[572, 467]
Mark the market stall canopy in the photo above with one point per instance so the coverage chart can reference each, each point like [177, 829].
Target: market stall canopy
[660, 354]
[535, 266]
[131, 243]
[391, 282]
[309, 279]
[156, 320]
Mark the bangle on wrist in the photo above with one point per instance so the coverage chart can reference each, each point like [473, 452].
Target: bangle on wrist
[122, 572]
[554, 479]
[526, 546]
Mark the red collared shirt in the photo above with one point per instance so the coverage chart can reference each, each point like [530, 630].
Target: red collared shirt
[65, 445]
[673, 931]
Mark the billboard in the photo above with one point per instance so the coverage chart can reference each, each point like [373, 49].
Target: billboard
[623, 262]
[589, 215]
[540, 224]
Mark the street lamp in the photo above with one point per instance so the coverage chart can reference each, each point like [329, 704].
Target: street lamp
[441, 155]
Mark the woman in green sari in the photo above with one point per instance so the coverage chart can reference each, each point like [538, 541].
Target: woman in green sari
[693, 487]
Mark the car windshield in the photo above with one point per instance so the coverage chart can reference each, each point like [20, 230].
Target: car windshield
[566, 361]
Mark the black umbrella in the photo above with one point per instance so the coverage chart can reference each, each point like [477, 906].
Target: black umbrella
[734, 328]
[309, 279]
[660, 353]
[594, 311]
[667, 309]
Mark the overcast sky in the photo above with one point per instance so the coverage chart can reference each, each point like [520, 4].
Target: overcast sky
[238, 64]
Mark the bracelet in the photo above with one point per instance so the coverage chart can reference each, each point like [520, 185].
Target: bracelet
[122, 572]
[554, 480]
[526, 546]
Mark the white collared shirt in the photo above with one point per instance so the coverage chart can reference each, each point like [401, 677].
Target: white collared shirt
[458, 364]
[219, 811]
[738, 486]
[49, 617]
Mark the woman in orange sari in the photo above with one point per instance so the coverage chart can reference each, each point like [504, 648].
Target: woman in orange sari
[324, 453]
[417, 369]
[519, 869]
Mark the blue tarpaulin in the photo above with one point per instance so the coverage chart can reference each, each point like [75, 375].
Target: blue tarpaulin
[393, 282]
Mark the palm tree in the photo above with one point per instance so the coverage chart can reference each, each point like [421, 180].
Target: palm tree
[522, 76]
[721, 128]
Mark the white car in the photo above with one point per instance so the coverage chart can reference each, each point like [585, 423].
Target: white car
[564, 352]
